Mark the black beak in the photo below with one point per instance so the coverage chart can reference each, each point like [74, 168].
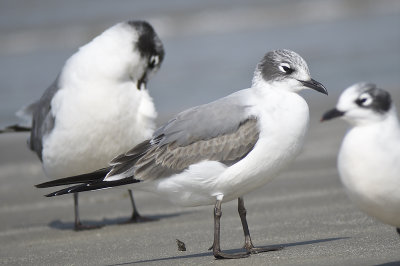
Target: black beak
[315, 85]
[142, 82]
[332, 114]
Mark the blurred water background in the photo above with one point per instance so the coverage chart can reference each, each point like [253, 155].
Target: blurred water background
[211, 46]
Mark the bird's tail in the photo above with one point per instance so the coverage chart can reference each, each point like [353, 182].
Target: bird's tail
[86, 182]
[25, 115]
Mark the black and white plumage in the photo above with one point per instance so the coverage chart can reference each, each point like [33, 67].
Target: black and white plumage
[219, 151]
[98, 106]
[369, 158]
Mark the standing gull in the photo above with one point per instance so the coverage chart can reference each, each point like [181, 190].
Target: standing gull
[369, 158]
[219, 151]
[98, 107]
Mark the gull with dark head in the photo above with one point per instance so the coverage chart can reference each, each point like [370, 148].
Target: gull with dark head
[217, 152]
[369, 158]
[98, 106]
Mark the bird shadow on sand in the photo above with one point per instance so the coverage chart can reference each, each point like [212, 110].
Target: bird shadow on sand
[69, 225]
[204, 254]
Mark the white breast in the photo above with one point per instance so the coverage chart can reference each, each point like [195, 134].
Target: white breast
[369, 166]
[284, 121]
[95, 124]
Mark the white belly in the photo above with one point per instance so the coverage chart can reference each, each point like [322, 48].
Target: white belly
[92, 128]
[371, 177]
[380, 202]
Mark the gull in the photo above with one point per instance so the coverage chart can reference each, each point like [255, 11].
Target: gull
[369, 157]
[217, 152]
[98, 106]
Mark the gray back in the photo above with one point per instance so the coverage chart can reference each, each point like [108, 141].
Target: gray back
[42, 121]
[204, 122]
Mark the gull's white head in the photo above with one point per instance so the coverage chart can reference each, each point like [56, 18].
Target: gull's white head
[128, 51]
[285, 69]
[362, 103]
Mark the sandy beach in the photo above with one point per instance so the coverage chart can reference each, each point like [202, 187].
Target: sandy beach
[211, 48]
[305, 210]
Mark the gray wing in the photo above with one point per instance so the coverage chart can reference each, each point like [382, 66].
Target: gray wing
[206, 132]
[172, 158]
[205, 121]
[42, 120]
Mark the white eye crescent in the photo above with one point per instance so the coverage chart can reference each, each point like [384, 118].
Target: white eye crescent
[154, 60]
[364, 100]
[286, 68]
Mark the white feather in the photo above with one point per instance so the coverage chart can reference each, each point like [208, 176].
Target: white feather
[99, 111]
[369, 167]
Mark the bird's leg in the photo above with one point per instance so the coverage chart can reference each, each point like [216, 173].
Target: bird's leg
[136, 217]
[78, 225]
[248, 244]
[398, 230]
[216, 245]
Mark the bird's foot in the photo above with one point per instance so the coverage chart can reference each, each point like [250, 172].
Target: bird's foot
[219, 255]
[249, 248]
[254, 250]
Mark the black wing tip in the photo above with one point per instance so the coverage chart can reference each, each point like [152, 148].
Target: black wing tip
[42, 185]
[79, 179]
[58, 193]
[97, 185]
[49, 184]
[73, 189]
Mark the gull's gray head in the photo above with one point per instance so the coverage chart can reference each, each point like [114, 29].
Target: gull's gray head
[287, 70]
[361, 103]
[127, 52]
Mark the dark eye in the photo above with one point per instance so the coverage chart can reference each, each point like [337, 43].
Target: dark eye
[364, 100]
[285, 67]
[288, 70]
[153, 61]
